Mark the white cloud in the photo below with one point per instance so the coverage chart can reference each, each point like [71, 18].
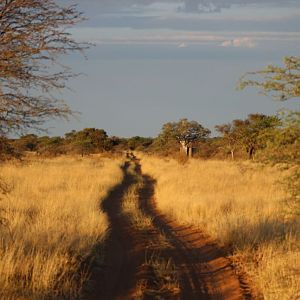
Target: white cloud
[272, 16]
[181, 38]
[244, 42]
[182, 45]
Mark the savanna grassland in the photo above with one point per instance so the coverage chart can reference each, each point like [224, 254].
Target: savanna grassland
[243, 206]
[144, 227]
[52, 222]
[156, 224]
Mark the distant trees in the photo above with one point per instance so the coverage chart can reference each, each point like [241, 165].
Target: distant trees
[51, 146]
[7, 150]
[84, 142]
[33, 36]
[248, 134]
[139, 143]
[282, 144]
[27, 142]
[88, 140]
[230, 138]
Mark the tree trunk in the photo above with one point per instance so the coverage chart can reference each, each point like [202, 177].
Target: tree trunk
[251, 152]
[232, 154]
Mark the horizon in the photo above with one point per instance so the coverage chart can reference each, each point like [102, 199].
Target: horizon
[159, 61]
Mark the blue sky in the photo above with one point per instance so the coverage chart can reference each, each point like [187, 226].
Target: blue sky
[155, 62]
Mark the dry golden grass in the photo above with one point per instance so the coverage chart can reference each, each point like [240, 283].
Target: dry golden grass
[54, 221]
[130, 204]
[164, 273]
[242, 206]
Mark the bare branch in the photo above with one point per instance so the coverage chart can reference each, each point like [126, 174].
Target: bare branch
[33, 35]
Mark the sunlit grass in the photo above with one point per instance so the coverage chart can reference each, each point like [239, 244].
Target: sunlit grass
[164, 278]
[54, 221]
[242, 206]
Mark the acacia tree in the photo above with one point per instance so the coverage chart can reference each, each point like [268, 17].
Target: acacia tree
[282, 143]
[230, 138]
[33, 36]
[88, 140]
[251, 130]
[281, 83]
[248, 133]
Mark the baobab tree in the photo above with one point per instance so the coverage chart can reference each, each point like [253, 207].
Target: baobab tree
[184, 132]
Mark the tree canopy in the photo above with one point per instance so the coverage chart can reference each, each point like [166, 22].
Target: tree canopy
[247, 134]
[184, 131]
[282, 83]
[33, 36]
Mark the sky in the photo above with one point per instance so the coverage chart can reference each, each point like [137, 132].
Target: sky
[158, 61]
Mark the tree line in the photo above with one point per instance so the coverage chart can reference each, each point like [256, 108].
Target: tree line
[83, 142]
[259, 137]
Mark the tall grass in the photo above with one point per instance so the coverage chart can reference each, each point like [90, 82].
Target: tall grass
[242, 206]
[54, 221]
[160, 277]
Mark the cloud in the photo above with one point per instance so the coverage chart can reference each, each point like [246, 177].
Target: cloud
[244, 42]
[183, 6]
[181, 38]
[182, 45]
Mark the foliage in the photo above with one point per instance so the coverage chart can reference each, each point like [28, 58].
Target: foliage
[32, 38]
[51, 146]
[230, 137]
[281, 83]
[182, 131]
[88, 140]
[139, 143]
[7, 151]
[283, 143]
[246, 134]
[207, 149]
[27, 142]
[189, 131]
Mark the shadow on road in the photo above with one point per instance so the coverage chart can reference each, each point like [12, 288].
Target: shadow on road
[117, 277]
[204, 272]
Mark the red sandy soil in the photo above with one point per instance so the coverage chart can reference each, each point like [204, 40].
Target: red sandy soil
[202, 268]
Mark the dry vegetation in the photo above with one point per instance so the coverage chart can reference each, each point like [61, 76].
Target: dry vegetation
[161, 276]
[53, 224]
[242, 206]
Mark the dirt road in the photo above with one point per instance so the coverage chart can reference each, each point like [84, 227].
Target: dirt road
[161, 260]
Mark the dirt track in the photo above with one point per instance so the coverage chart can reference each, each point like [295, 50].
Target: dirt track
[201, 267]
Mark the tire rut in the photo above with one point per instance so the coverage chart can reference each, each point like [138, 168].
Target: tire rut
[204, 271]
